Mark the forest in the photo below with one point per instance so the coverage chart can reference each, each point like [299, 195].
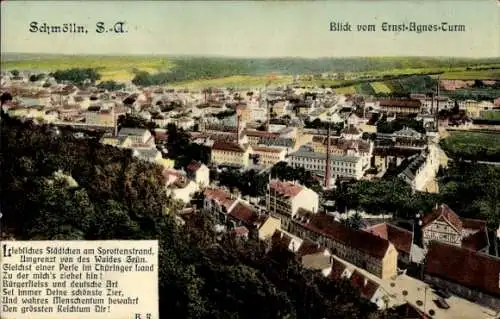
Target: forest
[62, 188]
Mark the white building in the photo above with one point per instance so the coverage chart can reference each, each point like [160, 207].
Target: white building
[199, 173]
[179, 186]
[422, 169]
[286, 198]
[139, 137]
[340, 166]
[151, 155]
[268, 155]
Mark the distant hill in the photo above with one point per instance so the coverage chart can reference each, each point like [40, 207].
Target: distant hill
[179, 69]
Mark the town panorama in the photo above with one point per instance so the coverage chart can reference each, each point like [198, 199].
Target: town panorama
[278, 188]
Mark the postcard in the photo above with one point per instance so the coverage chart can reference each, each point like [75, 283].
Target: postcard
[250, 159]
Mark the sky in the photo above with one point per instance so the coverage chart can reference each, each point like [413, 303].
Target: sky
[254, 29]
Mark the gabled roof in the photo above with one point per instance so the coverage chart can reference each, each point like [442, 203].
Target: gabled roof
[358, 239]
[309, 247]
[228, 146]
[367, 287]
[464, 266]
[409, 311]
[338, 269]
[280, 239]
[476, 224]
[476, 241]
[446, 214]
[287, 189]
[399, 237]
[245, 214]
[132, 131]
[220, 197]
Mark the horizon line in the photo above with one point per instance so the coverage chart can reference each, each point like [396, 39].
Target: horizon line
[249, 57]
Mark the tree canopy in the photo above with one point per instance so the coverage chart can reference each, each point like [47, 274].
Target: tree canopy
[59, 187]
[77, 76]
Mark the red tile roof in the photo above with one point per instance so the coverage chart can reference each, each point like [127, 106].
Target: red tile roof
[464, 266]
[445, 213]
[399, 237]
[358, 239]
[409, 311]
[287, 189]
[280, 239]
[245, 214]
[309, 247]
[227, 146]
[221, 197]
[254, 133]
[193, 166]
[473, 224]
[338, 269]
[476, 241]
[400, 103]
[367, 287]
[266, 149]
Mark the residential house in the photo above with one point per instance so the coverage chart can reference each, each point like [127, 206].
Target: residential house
[121, 141]
[199, 173]
[285, 240]
[140, 138]
[230, 153]
[315, 257]
[368, 288]
[179, 186]
[218, 203]
[338, 270]
[464, 272]
[242, 214]
[444, 225]
[286, 198]
[351, 133]
[422, 169]
[97, 116]
[151, 155]
[234, 212]
[268, 156]
[363, 249]
[402, 239]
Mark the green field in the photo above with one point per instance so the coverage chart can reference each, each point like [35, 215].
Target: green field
[472, 145]
[380, 87]
[110, 67]
[346, 90]
[492, 74]
[237, 81]
[491, 115]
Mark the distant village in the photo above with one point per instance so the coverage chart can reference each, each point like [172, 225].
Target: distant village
[333, 136]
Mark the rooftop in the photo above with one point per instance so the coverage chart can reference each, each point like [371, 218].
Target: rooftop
[445, 213]
[354, 238]
[288, 189]
[399, 237]
[464, 266]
